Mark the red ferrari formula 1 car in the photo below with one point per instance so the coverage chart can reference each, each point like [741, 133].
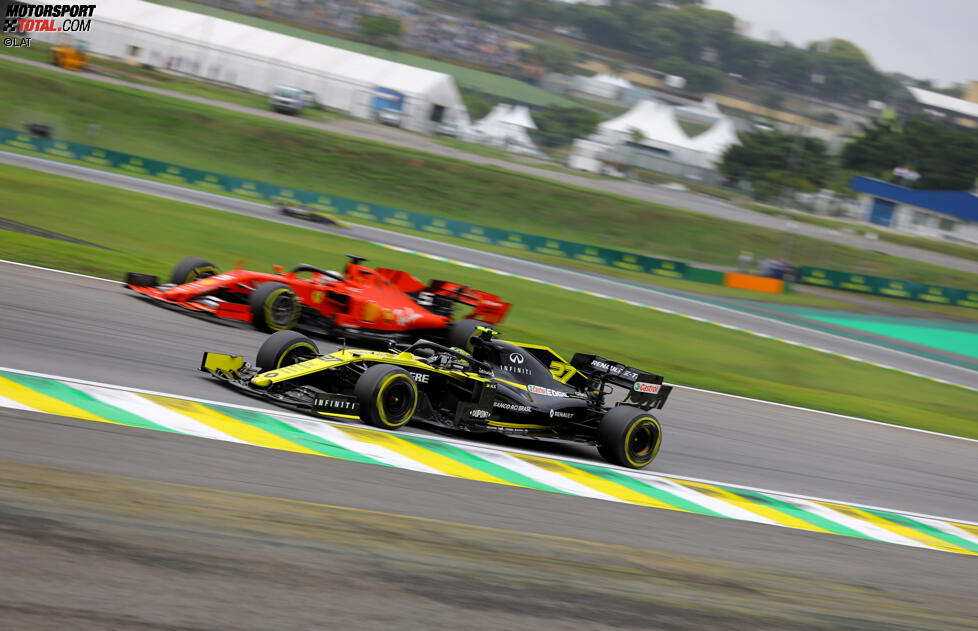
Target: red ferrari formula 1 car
[363, 304]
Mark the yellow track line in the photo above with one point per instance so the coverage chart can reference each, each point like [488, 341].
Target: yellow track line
[594, 482]
[903, 531]
[231, 426]
[754, 507]
[432, 459]
[44, 403]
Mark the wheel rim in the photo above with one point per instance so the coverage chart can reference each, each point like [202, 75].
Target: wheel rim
[397, 400]
[295, 357]
[642, 441]
[200, 272]
[282, 310]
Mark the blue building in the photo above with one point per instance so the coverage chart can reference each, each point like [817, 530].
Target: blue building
[946, 214]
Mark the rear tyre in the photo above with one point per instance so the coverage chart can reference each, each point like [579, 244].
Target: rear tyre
[629, 437]
[387, 396]
[191, 269]
[274, 307]
[460, 334]
[285, 348]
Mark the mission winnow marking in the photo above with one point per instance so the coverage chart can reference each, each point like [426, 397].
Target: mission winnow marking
[108, 404]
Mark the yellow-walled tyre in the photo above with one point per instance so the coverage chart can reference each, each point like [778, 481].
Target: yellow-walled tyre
[387, 396]
[284, 349]
[191, 269]
[629, 437]
[274, 307]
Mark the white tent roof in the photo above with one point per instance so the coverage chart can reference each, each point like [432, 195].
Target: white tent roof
[497, 112]
[717, 138]
[944, 102]
[519, 115]
[657, 123]
[506, 126]
[256, 43]
[711, 144]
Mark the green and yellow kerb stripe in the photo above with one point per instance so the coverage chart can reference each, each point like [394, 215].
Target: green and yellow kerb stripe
[105, 404]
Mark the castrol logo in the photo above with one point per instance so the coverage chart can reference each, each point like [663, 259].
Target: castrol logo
[646, 388]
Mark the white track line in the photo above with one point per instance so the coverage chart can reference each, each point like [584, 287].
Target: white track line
[722, 394]
[647, 477]
[531, 263]
[670, 295]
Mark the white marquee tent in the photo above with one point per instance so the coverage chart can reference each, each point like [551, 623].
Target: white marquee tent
[256, 59]
[711, 144]
[505, 126]
[654, 126]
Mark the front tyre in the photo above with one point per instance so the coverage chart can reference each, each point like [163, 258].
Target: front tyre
[191, 269]
[629, 437]
[274, 307]
[285, 348]
[387, 396]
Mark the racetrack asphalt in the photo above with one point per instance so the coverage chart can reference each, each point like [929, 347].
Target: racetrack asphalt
[91, 329]
[892, 355]
[110, 527]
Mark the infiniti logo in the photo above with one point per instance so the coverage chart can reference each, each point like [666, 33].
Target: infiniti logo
[516, 358]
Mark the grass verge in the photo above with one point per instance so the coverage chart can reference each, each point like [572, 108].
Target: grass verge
[266, 150]
[150, 234]
[167, 80]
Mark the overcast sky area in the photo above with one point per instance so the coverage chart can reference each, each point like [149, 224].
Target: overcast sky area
[931, 39]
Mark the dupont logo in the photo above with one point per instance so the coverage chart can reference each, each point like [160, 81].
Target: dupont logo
[646, 388]
[48, 18]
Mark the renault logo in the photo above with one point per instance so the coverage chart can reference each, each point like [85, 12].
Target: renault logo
[516, 358]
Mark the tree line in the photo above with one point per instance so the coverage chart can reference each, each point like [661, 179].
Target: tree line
[703, 45]
[774, 162]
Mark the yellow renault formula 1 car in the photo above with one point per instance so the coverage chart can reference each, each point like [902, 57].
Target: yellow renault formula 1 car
[491, 386]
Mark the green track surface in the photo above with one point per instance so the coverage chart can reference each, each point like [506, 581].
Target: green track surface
[954, 339]
[149, 234]
[265, 150]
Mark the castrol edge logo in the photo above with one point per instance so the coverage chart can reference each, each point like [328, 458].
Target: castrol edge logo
[646, 388]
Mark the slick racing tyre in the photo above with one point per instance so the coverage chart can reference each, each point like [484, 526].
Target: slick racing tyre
[284, 349]
[387, 396]
[191, 269]
[629, 437]
[274, 307]
[460, 334]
